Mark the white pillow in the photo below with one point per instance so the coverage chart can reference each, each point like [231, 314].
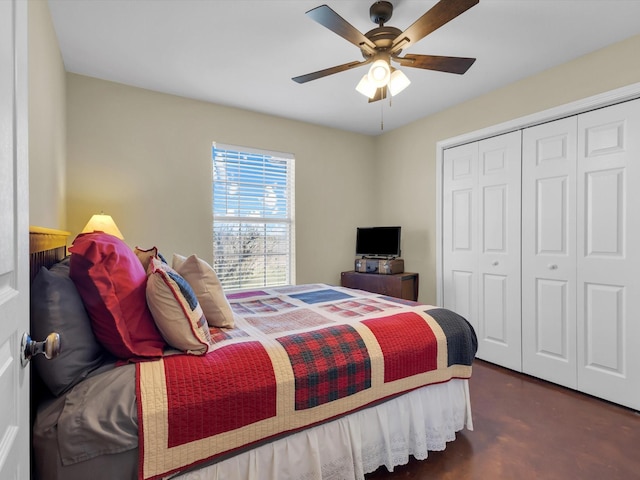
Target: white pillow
[204, 281]
[176, 310]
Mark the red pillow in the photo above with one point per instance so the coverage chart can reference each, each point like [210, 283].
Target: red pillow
[112, 284]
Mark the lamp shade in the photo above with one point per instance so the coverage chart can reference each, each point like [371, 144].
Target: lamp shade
[366, 88]
[379, 73]
[398, 82]
[102, 223]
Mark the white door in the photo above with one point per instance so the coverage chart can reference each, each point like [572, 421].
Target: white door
[499, 199]
[460, 231]
[14, 248]
[481, 243]
[549, 251]
[608, 256]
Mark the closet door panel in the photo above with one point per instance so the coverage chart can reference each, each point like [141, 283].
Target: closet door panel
[608, 256]
[604, 343]
[494, 312]
[552, 336]
[461, 294]
[548, 251]
[460, 231]
[604, 212]
[499, 196]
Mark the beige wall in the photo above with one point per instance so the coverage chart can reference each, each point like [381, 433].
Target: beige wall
[47, 203]
[406, 157]
[145, 158]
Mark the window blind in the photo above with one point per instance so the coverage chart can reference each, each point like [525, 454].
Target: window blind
[253, 217]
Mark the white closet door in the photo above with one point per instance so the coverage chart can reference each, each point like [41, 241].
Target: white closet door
[548, 251]
[460, 231]
[608, 256]
[481, 243]
[499, 204]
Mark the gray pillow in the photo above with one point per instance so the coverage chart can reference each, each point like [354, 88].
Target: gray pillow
[56, 306]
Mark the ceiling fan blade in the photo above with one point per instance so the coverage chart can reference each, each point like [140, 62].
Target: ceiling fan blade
[457, 65]
[326, 17]
[381, 94]
[442, 12]
[329, 71]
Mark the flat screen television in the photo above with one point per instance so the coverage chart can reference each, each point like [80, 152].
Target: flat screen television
[378, 242]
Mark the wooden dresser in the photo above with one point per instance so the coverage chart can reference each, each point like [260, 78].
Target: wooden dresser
[400, 285]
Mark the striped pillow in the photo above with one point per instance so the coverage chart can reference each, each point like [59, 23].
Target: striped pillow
[176, 310]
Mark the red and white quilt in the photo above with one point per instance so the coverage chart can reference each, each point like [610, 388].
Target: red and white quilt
[298, 356]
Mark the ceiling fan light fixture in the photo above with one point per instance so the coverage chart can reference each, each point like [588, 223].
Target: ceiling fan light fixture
[365, 87]
[398, 82]
[379, 73]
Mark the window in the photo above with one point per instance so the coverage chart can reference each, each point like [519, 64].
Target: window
[253, 217]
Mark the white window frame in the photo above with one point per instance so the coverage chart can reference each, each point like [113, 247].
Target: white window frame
[248, 220]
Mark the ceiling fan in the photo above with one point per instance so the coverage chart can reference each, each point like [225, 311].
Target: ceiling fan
[382, 45]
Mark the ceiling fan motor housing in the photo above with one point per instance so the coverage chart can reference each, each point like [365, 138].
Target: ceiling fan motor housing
[381, 12]
[381, 36]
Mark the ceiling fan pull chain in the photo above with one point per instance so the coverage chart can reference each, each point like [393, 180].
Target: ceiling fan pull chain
[381, 116]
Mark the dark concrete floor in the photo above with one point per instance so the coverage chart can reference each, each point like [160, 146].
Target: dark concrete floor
[525, 428]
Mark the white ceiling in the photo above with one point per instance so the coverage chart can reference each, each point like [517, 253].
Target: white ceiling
[243, 53]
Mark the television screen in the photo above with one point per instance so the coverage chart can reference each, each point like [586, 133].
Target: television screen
[378, 241]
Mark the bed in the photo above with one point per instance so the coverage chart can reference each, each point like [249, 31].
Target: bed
[307, 382]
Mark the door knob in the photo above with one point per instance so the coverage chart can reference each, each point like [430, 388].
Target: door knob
[50, 348]
[495, 263]
[552, 266]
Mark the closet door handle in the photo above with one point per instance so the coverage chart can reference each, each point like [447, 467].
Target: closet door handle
[495, 263]
[552, 266]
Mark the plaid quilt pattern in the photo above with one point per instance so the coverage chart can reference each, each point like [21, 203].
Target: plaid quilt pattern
[262, 305]
[357, 308]
[292, 360]
[221, 334]
[328, 364]
[293, 320]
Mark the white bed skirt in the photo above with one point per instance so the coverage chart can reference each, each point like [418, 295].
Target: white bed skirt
[348, 447]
